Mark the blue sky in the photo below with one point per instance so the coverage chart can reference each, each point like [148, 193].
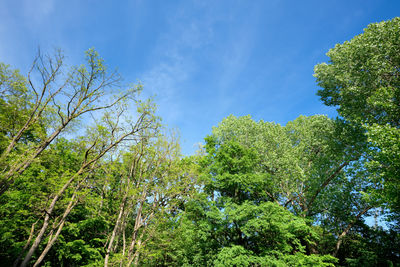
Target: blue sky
[204, 60]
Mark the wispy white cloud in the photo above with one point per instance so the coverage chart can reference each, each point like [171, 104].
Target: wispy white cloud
[162, 81]
[36, 12]
[232, 63]
[175, 63]
[192, 42]
[26, 25]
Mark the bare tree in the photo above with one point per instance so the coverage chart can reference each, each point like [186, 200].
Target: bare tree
[67, 96]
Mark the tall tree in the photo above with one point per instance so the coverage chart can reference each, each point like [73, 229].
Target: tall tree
[258, 172]
[44, 105]
[100, 140]
[362, 79]
[312, 167]
[155, 182]
[301, 162]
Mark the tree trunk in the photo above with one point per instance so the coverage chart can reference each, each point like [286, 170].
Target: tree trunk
[53, 239]
[16, 262]
[47, 218]
[344, 233]
[138, 223]
[117, 223]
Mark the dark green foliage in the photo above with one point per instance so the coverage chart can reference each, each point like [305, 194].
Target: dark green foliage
[25, 203]
[366, 246]
[82, 240]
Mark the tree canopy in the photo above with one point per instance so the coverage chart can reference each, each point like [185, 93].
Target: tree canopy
[362, 79]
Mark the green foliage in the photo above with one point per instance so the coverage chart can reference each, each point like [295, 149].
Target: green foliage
[362, 76]
[298, 165]
[81, 242]
[362, 80]
[24, 204]
[366, 246]
[15, 106]
[238, 256]
[385, 152]
[240, 219]
[14, 101]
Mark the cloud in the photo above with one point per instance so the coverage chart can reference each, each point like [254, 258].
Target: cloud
[174, 62]
[162, 81]
[36, 12]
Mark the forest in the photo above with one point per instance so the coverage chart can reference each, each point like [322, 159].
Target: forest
[90, 175]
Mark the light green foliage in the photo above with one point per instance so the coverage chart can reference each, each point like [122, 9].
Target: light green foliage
[362, 76]
[14, 100]
[36, 111]
[250, 170]
[385, 163]
[15, 106]
[299, 165]
[25, 203]
[53, 186]
[238, 256]
[155, 184]
[362, 79]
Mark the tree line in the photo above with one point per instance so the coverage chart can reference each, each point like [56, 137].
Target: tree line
[89, 175]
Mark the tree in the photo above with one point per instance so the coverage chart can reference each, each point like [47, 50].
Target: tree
[237, 223]
[298, 163]
[100, 141]
[100, 194]
[312, 167]
[155, 182]
[14, 108]
[261, 176]
[362, 79]
[34, 114]
[45, 110]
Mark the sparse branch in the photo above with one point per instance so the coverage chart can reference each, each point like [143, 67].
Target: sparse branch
[29, 76]
[39, 105]
[82, 101]
[323, 185]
